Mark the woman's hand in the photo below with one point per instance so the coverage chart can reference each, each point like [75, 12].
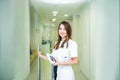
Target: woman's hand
[72, 61]
[42, 56]
[39, 53]
[56, 63]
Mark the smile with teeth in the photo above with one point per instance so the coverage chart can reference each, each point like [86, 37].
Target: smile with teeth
[62, 33]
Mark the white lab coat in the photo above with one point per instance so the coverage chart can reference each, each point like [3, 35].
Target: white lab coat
[65, 72]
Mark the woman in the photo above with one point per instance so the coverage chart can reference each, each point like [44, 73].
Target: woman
[65, 52]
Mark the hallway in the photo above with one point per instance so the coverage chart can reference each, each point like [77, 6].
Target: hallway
[27, 26]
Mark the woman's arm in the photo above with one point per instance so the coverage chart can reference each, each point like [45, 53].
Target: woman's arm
[71, 61]
[42, 56]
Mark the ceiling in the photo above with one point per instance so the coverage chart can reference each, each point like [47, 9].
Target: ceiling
[45, 9]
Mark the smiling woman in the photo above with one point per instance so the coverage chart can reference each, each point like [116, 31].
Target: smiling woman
[53, 13]
[65, 52]
[95, 28]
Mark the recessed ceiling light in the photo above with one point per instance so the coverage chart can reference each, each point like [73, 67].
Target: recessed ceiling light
[54, 20]
[60, 1]
[65, 15]
[54, 12]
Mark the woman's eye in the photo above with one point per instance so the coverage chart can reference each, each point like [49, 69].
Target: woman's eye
[62, 29]
[59, 28]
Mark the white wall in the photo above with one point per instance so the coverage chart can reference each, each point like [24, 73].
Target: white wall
[83, 39]
[81, 35]
[104, 39]
[6, 40]
[14, 24]
[53, 34]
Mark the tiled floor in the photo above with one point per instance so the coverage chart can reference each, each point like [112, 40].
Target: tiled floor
[33, 70]
[45, 71]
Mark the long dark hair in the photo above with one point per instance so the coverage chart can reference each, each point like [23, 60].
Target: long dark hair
[69, 33]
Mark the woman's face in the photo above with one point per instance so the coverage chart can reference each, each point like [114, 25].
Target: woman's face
[62, 31]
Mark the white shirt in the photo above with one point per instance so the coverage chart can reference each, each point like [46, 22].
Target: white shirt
[65, 54]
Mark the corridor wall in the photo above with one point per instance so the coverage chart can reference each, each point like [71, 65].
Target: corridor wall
[81, 27]
[104, 40]
[14, 39]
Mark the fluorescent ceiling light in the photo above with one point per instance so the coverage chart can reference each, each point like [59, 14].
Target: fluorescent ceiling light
[54, 20]
[60, 1]
[65, 15]
[54, 12]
